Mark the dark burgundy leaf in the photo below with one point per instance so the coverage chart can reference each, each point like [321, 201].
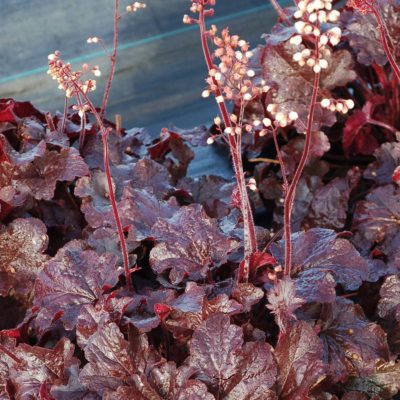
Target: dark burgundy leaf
[387, 377]
[389, 304]
[172, 142]
[215, 349]
[150, 175]
[377, 218]
[12, 111]
[40, 367]
[330, 203]
[138, 210]
[8, 360]
[357, 135]
[142, 312]
[256, 374]
[363, 34]
[383, 383]
[294, 83]
[175, 383]
[115, 362]
[299, 357]
[213, 192]
[75, 277]
[124, 392]
[192, 307]
[109, 362]
[202, 247]
[195, 390]
[91, 316]
[217, 354]
[357, 138]
[196, 136]
[39, 177]
[352, 344]
[247, 294]
[319, 252]
[122, 149]
[22, 245]
[387, 159]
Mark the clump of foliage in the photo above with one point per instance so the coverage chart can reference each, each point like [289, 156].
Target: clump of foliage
[123, 278]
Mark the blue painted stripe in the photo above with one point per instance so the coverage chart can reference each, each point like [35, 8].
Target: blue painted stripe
[137, 43]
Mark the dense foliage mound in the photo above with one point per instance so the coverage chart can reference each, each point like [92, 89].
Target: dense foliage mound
[189, 327]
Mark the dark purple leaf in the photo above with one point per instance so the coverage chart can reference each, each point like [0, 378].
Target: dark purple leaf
[39, 177]
[363, 34]
[352, 344]
[221, 362]
[109, 362]
[389, 304]
[138, 210]
[256, 374]
[195, 390]
[122, 149]
[387, 159]
[172, 142]
[191, 255]
[247, 294]
[293, 84]
[213, 192]
[22, 245]
[215, 349]
[91, 316]
[75, 277]
[387, 377]
[318, 252]
[192, 307]
[128, 392]
[377, 218]
[299, 358]
[382, 384]
[330, 203]
[114, 362]
[41, 366]
[142, 313]
[150, 175]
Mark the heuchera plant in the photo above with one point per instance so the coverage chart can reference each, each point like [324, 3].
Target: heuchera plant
[124, 278]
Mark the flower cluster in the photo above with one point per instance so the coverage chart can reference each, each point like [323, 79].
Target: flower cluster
[68, 80]
[131, 8]
[340, 105]
[311, 15]
[232, 75]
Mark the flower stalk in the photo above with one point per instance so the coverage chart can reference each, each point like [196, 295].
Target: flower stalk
[250, 242]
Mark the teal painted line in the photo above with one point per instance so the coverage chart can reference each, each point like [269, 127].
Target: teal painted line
[137, 43]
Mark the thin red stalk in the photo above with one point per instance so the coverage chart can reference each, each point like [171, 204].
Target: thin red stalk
[279, 10]
[385, 43]
[65, 114]
[115, 209]
[280, 159]
[104, 134]
[82, 127]
[113, 58]
[381, 124]
[250, 241]
[289, 198]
